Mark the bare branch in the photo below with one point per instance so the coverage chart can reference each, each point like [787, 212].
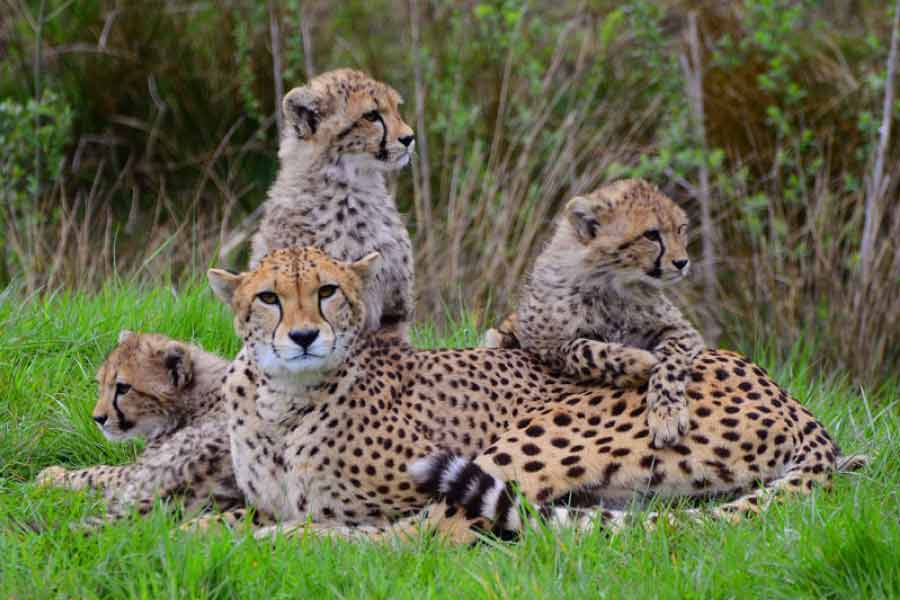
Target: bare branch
[423, 204]
[876, 184]
[693, 75]
[306, 38]
[275, 36]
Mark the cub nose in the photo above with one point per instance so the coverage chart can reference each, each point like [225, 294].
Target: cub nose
[406, 140]
[304, 337]
[680, 264]
[101, 420]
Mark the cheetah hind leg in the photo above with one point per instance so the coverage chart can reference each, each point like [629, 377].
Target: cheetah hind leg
[229, 519]
[800, 479]
[854, 462]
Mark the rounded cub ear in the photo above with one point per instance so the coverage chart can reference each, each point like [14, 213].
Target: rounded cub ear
[177, 360]
[583, 218]
[302, 109]
[224, 283]
[125, 335]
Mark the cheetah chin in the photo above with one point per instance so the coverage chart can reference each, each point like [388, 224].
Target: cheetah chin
[276, 359]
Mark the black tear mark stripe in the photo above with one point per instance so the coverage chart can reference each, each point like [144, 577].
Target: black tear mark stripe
[382, 147]
[657, 266]
[278, 324]
[124, 423]
[324, 318]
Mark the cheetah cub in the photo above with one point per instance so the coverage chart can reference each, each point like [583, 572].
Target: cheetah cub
[167, 392]
[343, 132]
[594, 305]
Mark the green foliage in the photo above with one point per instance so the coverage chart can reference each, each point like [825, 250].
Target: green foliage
[33, 137]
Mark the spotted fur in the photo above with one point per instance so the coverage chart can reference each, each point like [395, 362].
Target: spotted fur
[343, 132]
[593, 305]
[325, 420]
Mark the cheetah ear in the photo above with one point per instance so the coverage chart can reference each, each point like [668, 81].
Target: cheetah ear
[581, 215]
[366, 266]
[177, 360]
[302, 110]
[125, 334]
[224, 283]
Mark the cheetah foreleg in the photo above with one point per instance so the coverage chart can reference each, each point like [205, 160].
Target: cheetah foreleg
[103, 477]
[609, 363]
[668, 417]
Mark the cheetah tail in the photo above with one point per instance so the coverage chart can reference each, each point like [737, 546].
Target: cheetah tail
[460, 482]
[853, 462]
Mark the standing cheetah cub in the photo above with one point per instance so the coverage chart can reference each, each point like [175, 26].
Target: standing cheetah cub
[593, 305]
[167, 392]
[343, 132]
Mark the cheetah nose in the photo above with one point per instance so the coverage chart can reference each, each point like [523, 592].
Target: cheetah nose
[101, 420]
[407, 140]
[304, 337]
[680, 264]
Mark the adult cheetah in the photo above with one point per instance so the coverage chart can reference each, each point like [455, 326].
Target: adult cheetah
[325, 419]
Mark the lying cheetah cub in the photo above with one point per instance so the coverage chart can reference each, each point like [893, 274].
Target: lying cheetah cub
[168, 392]
[343, 132]
[594, 300]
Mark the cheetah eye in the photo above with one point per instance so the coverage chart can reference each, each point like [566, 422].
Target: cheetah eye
[122, 389]
[327, 291]
[372, 116]
[652, 234]
[682, 229]
[268, 297]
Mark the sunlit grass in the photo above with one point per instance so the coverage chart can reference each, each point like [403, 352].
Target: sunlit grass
[838, 544]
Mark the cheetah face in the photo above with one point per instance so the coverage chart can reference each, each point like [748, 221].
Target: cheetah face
[299, 312]
[353, 119]
[140, 386]
[630, 232]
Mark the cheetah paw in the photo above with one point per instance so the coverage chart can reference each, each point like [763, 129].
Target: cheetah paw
[667, 424]
[492, 339]
[51, 475]
[204, 523]
[637, 367]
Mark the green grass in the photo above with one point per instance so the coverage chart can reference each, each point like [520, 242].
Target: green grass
[839, 544]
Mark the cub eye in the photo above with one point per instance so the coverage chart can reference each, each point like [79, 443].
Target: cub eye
[268, 297]
[327, 291]
[652, 234]
[122, 389]
[372, 115]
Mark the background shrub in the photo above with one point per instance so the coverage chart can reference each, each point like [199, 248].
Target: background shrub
[140, 138]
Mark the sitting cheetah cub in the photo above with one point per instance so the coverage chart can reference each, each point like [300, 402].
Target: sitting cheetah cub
[343, 132]
[167, 392]
[594, 299]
